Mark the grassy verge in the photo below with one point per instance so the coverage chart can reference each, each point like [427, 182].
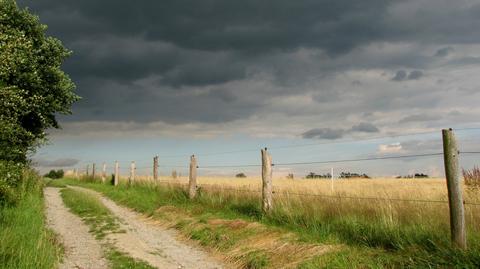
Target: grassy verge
[402, 237]
[101, 222]
[24, 240]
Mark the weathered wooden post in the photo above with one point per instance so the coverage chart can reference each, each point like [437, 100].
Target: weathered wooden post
[132, 173]
[104, 172]
[192, 183]
[93, 171]
[117, 175]
[155, 168]
[267, 205]
[88, 168]
[454, 186]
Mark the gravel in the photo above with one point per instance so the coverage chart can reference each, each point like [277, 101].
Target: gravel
[81, 248]
[151, 243]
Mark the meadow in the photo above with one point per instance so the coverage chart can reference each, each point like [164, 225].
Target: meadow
[379, 223]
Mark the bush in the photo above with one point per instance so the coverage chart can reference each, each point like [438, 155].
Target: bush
[55, 174]
[472, 177]
[11, 175]
[240, 175]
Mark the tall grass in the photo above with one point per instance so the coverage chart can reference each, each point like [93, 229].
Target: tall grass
[24, 240]
[419, 231]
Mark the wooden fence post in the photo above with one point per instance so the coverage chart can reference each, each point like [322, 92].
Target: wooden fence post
[104, 172]
[155, 168]
[192, 183]
[88, 168]
[117, 175]
[132, 173]
[454, 186]
[267, 205]
[93, 171]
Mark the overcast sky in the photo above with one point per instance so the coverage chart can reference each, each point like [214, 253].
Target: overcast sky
[185, 76]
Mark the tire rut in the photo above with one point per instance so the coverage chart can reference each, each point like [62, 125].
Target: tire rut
[152, 243]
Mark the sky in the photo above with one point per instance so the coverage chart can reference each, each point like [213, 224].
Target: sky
[222, 79]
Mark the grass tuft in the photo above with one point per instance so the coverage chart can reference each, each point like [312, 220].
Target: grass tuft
[24, 240]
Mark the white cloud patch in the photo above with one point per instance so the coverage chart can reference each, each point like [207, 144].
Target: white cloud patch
[390, 148]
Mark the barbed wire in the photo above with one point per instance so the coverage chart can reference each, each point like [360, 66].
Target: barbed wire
[287, 193]
[302, 145]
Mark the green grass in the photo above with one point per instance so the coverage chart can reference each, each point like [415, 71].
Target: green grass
[92, 211]
[24, 240]
[119, 260]
[55, 183]
[416, 239]
[101, 222]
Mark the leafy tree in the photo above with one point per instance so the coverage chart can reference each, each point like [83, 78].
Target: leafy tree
[55, 174]
[33, 88]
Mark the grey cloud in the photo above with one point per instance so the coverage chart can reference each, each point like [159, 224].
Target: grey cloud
[401, 75]
[324, 133]
[419, 118]
[365, 127]
[62, 162]
[176, 60]
[465, 61]
[415, 74]
[331, 134]
[443, 52]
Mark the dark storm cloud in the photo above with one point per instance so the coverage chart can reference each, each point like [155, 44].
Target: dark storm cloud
[222, 25]
[401, 75]
[365, 127]
[415, 74]
[176, 60]
[332, 134]
[443, 52]
[324, 133]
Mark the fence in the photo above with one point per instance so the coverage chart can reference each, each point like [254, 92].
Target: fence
[450, 155]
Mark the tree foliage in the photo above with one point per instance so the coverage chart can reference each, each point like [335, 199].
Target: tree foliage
[55, 174]
[33, 88]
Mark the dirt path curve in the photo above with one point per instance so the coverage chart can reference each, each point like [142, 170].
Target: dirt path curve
[152, 243]
[81, 248]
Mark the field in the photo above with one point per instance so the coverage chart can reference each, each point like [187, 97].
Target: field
[378, 222]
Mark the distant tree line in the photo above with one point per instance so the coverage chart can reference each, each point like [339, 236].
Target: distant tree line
[55, 174]
[416, 175]
[313, 175]
[342, 175]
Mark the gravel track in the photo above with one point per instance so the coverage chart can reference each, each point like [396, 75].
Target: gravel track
[82, 251]
[151, 243]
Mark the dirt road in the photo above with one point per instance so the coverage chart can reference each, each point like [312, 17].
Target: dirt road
[142, 240]
[81, 248]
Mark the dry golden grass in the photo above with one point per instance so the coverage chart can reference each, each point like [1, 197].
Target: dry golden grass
[403, 215]
[394, 201]
[387, 188]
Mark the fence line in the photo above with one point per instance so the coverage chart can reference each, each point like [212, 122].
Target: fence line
[451, 164]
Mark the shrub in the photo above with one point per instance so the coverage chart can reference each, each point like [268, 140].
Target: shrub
[472, 177]
[11, 175]
[240, 175]
[55, 174]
